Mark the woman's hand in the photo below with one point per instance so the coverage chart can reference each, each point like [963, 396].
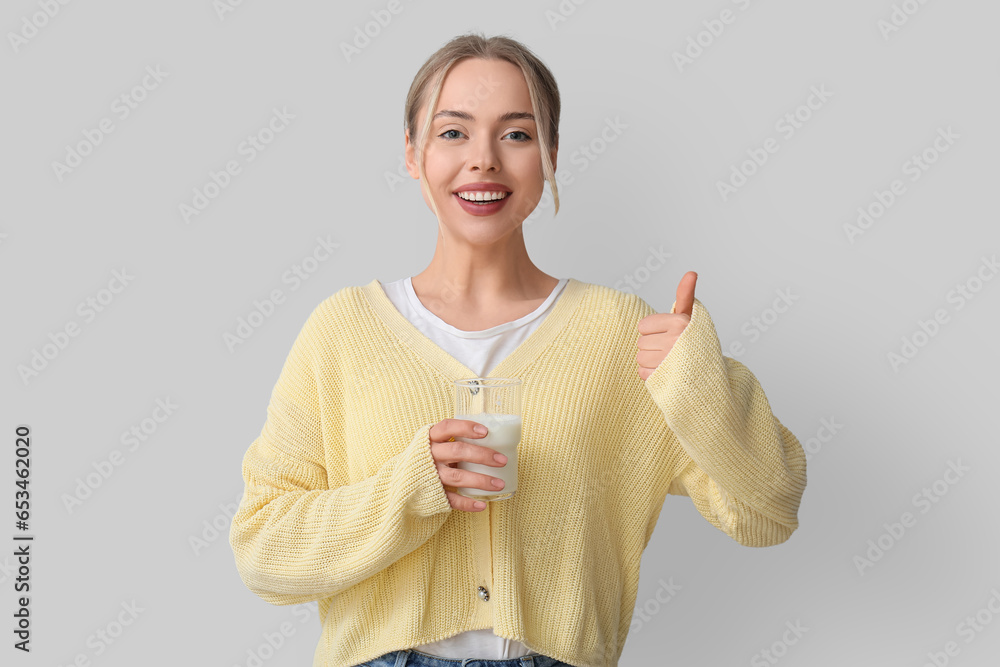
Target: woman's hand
[447, 452]
[658, 332]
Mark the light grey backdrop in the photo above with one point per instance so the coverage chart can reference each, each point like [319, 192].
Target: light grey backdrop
[872, 336]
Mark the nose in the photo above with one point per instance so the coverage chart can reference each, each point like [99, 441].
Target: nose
[484, 155]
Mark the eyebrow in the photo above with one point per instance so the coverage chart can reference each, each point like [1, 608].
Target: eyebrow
[464, 115]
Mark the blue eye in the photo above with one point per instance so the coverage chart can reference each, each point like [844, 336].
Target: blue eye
[525, 139]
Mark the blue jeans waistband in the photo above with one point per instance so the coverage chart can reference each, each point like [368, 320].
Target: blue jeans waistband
[414, 658]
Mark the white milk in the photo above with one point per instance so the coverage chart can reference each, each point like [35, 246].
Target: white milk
[504, 437]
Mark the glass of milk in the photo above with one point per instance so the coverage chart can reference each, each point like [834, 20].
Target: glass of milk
[496, 404]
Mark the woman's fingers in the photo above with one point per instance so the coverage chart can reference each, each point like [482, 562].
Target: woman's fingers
[449, 429]
[454, 476]
[460, 502]
[447, 453]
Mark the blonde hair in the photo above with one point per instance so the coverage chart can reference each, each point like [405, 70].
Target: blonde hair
[542, 89]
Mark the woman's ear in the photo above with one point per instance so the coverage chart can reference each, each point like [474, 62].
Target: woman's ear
[410, 156]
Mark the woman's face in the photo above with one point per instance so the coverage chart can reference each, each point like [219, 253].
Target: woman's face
[471, 141]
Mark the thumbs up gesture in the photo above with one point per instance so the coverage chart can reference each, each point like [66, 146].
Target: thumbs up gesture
[658, 332]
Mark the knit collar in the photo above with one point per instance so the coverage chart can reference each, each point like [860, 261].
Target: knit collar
[525, 353]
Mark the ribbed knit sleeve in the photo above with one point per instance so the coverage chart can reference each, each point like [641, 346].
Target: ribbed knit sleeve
[296, 536]
[744, 471]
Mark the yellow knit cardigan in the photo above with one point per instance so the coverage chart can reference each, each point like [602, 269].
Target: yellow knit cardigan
[343, 503]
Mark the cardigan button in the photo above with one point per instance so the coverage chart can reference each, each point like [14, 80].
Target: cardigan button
[484, 594]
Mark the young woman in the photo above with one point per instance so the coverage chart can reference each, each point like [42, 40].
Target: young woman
[351, 487]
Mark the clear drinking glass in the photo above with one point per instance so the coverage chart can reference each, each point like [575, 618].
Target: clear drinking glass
[496, 404]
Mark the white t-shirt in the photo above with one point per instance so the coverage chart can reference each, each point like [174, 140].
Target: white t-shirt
[480, 351]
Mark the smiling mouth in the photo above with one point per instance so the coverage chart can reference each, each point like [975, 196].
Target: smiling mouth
[482, 199]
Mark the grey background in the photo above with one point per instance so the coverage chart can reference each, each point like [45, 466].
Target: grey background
[655, 186]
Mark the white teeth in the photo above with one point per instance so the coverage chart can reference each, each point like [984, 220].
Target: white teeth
[481, 196]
